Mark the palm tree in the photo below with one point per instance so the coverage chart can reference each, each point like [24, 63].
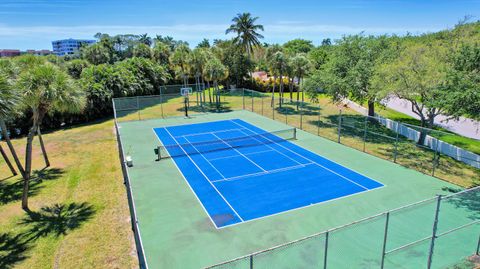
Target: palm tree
[215, 71]
[243, 25]
[268, 59]
[45, 88]
[145, 39]
[8, 101]
[197, 61]
[279, 64]
[180, 59]
[301, 66]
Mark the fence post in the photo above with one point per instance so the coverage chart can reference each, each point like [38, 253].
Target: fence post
[273, 107]
[318, 123]
[339, 125]
[385, 237]
[365, 133]
[325, 257]
[243, 98]
[252, 101]
[261, 100]
[161, 104]
[301, 115]
[251, 261]
[395, 151]
[138, 108]
[434, 232]
[436, 155]
[478, 246]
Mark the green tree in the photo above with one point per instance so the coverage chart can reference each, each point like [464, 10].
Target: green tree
[280, 65]
[161, 53]
[417, 76]
[301, 66]
[271, 50]
[461, 93]
[75, 67]
[99, 53]
[246, 30]
[204, 44]
[198, 61]
[145, 39]
[143, 51]
[45, 89]
[180, 60]
[298, 46]
[9, 100]
[351, 69]
[215, 71]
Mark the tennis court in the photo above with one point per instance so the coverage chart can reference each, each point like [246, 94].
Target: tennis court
[240, 172]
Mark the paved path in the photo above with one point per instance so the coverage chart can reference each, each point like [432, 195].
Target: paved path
[463, 126]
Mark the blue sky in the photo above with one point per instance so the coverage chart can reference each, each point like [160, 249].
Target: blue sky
[26, 24]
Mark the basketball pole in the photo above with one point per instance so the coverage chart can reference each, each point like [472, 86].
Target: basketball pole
[186, 105]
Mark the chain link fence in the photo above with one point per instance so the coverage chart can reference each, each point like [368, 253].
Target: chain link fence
[435, 233]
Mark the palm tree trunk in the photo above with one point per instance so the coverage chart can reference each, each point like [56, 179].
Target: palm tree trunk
[273, 92]
[28, 166]
[290, 87]
[209, 92]
[281, 90]
[5, 134]
[7, 160]
[42, 146]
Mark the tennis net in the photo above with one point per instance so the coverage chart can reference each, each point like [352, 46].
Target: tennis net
[176, 150]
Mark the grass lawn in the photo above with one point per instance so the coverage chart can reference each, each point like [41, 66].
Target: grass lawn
[80, 213]
[469, 144]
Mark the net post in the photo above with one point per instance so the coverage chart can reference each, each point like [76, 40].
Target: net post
[434, 232]
[365, 133]
[395, 151]
[385, 238]
[159, 156]
[325, 256]
[339, 125]
[251, 261]
[295, 133]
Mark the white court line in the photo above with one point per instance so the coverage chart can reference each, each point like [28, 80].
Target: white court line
[264, 173]
[190, 143]
[233, 156]
[267, 144]
[188, 184]
[194, 163]
[221, 131]
[254, 163]
[342, 176]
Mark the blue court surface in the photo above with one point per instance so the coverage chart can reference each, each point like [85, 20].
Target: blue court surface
[240, 172]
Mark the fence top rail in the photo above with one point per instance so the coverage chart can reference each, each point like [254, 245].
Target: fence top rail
[134, 211]
[339, 228]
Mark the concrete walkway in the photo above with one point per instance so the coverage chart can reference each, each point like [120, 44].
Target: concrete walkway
[463, 126]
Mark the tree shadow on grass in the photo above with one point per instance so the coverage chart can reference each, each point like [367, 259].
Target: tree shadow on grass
[12, 250]
[57, 219]
[10, 192]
